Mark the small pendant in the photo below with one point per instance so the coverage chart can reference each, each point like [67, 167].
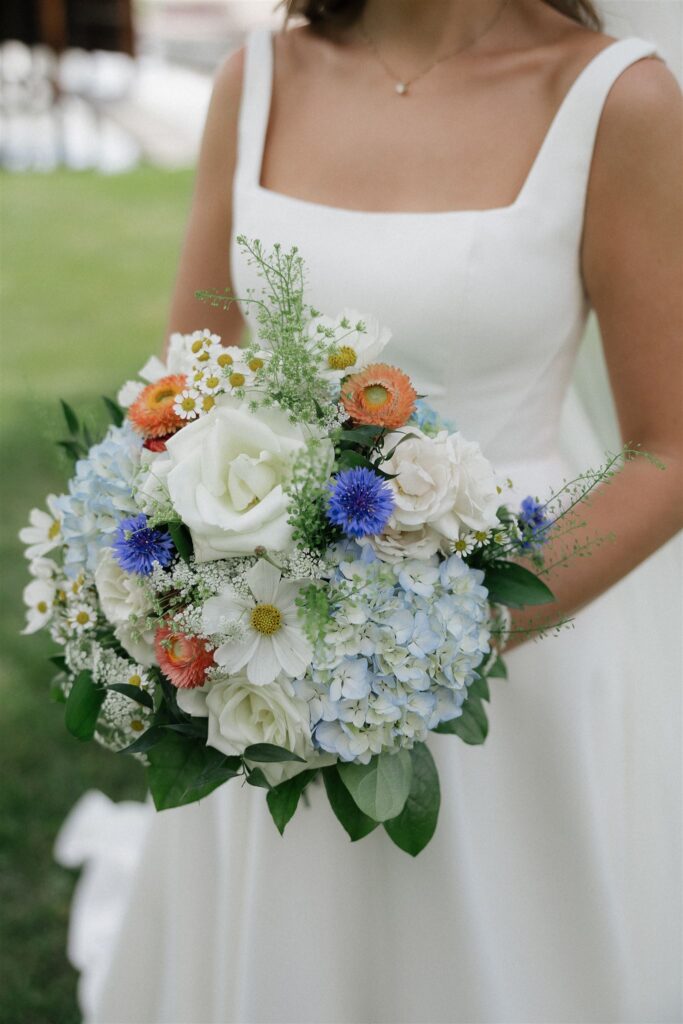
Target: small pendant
[401, 88]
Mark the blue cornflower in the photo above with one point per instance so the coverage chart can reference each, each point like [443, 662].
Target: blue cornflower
[533, 522]
[137, 546]
[360, 502]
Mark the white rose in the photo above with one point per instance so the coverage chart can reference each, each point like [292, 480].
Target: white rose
[228, 475]
[396, 545]
[443, 481]
[120, 597]
[150, 489]
[241, 714]
[357, 349]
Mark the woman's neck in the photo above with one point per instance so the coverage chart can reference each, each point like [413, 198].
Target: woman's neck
[422, 30]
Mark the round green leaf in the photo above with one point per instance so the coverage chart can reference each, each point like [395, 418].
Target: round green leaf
[380, 788]
[415, 825]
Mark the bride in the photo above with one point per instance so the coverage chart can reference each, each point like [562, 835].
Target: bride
[478, 174]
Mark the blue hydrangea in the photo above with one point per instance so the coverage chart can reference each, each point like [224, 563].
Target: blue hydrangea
[138, 548]
[428, 420]
[100, 492]
[360, 502]
[402, 645]
[534, 523]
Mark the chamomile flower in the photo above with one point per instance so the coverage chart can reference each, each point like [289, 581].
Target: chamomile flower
[187, 404]
[81, 617]
[204, 346]
[211, 382]
[464, 545]
[481, 537]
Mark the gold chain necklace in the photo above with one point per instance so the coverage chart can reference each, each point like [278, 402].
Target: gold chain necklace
[401, 85]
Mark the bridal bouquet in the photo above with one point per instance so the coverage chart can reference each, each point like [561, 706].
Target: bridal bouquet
[279, 564]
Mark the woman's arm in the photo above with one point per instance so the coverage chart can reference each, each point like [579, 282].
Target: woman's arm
[632, 262]
[205, 257]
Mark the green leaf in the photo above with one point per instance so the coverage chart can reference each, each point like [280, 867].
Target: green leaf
[115, 412]
[134, 693]
[143, 743]
[380, 788]
[83, 706]
[513, 585]
[412, 829]
[342, 803]
[479, 689]
[350, 459]
[176, 767]
[71, 418]
[269, 752]
[283, 799]
[498, 670]
[472, 726]
[58, 660]
[219, 769]
[73, 449]
[181, 537]
[255, 777]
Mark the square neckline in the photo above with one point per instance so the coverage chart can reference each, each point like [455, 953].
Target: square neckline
[517, 202]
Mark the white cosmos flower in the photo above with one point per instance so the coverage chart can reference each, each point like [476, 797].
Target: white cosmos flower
[275, 641]
[354, 350]
[39, 598]
[45, 530]
[129, 393]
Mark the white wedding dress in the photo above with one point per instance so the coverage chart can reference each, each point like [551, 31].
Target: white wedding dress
[551, 891]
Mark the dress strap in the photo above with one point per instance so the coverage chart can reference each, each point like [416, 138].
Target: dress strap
[562, 167]
[257, 86]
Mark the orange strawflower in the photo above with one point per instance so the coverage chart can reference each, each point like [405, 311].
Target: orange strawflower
[183, 659]
[379, 395]
[152, 412]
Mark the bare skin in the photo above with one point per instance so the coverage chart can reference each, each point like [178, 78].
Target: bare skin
[339, 136]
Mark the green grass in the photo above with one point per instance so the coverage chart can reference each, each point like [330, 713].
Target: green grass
[87, 269]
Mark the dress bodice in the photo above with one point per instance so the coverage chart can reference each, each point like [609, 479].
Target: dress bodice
[486, 307]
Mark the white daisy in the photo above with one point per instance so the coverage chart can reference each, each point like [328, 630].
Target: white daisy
[464, 545]
[274, 640]
[45, 530]
[39, 598]
[349, 350]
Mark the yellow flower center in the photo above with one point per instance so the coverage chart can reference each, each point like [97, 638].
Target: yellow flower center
[266, 619]
[82, 618]
[42, 607]
[224, 359]
[188, 404]
[341, 358]
[134, 680]
[199, 376]
[376, 396]
[212, 382]
[236, 379]
[480, 536]
[460, 545]
[136, 725]
[203, 357]
[157, 397]
[197, 345]
[255, 364]
[208, 403]
[54, 530]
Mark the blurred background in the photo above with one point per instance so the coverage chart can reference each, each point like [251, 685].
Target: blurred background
[101, 109]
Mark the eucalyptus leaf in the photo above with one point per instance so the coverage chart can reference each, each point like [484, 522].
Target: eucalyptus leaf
[83, 706]
[412, 829]
[514, 586]
[283, 799]
[380, 788]
[472, 726]
[269, 752]
[350, 816]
